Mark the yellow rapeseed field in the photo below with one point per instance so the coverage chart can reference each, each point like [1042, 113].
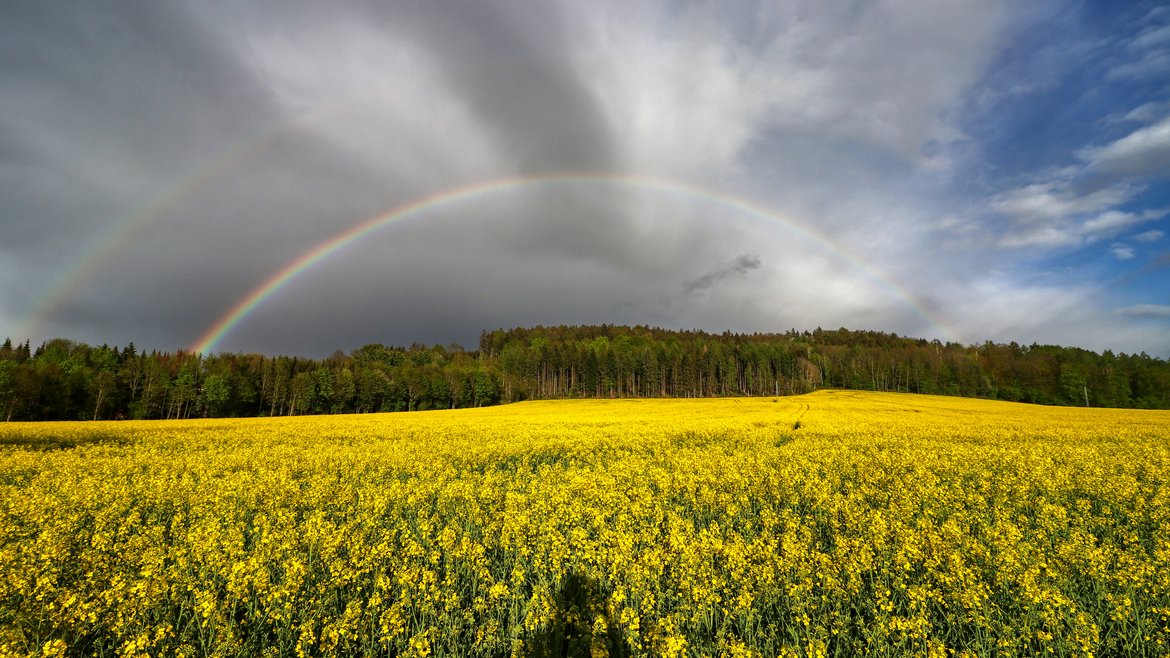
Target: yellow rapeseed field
[830, 524]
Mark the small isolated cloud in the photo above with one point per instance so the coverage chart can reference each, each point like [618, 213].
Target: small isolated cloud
[1145, 151]
[1151, 47]
[1152, 235]
[1145, 311]
[1152, 37]
[1152, 64]
[1048, 201]
[1113, 220]
[742, 264]
[1042, 236]
[1146, 113]
[1122, 251]
[1053, 214]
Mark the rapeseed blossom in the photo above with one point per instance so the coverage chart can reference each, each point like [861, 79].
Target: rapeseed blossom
[836, 523]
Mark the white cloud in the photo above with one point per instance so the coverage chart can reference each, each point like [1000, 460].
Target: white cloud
[376, 98]
[1154, 60]
[1145, 151]
[1122, 251]
[1108, 223]
[1055, 212]
[1146, 113]
[678, 106]
[1002, 308]
[888, 75]
[1048, 201]
[1153, 235]
[1042, 236]
[1151, 64]
[1053, 215]
[1152, 37]
[1044, 221]
[692, 90]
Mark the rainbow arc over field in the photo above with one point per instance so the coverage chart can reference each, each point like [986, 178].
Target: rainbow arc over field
[247, 304]
[119, 233]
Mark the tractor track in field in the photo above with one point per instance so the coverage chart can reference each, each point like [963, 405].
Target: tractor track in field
[804, 407]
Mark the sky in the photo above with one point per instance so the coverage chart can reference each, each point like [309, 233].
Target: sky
[299, 177]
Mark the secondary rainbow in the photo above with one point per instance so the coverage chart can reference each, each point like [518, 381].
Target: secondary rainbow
[119, 234]
[250, 302]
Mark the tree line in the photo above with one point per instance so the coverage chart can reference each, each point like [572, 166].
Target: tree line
[609, 361]
[67, 380]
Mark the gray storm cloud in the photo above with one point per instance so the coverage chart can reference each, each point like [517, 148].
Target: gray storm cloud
[159, 162]
[737, 268]
[508, 62]
[509, 65]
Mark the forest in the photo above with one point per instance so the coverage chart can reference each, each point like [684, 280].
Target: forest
[67, 380]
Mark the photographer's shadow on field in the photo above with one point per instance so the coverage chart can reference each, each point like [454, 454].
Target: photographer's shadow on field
[579, 603]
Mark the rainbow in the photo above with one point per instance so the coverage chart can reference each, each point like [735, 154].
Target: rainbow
[251, 301]
[120, 233]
